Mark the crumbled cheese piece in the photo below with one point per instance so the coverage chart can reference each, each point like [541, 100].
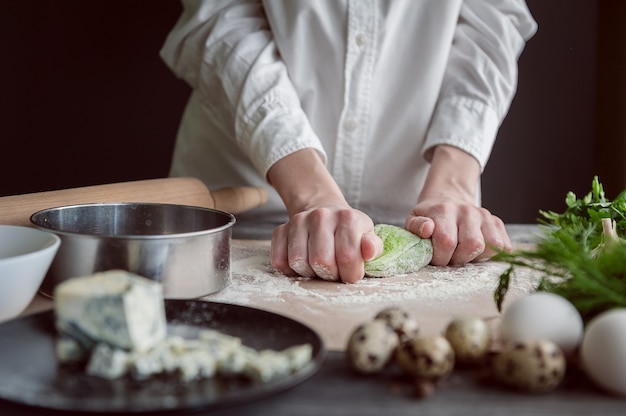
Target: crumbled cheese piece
[299, 356]
[108, 362]
[68, 350]
[267, 365]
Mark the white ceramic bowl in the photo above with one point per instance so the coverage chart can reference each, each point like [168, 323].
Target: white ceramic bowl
[26, 254]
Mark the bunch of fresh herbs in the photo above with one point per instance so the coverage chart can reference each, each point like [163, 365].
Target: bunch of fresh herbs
[568, 255]
[583, 217]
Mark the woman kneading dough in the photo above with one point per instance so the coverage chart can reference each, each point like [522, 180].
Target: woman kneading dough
[351, 114]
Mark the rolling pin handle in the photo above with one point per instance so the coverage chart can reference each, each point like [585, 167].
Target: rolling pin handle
[239, 198]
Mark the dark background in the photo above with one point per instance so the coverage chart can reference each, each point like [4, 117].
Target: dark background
[85, 99]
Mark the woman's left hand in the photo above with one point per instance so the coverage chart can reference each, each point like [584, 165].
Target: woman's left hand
[448, 214]
[460, 232]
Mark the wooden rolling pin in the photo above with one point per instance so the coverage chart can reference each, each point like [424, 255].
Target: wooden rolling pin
[17, 209]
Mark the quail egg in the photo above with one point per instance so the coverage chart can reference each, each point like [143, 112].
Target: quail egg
[371, 346]
[532, 366]
[405, 326]
[428, 357]
[470, 339]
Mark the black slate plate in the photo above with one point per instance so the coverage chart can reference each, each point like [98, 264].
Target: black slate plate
[29, 373]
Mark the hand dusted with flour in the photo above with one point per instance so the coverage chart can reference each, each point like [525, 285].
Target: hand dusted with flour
[403, 252]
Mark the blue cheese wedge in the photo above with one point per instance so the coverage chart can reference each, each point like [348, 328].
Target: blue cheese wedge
[116, 307]
[115, 322]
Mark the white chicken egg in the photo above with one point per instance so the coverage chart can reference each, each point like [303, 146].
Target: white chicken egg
[543, 316]
[602, 351]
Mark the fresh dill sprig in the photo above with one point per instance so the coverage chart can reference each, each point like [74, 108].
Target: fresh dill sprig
[567, 255]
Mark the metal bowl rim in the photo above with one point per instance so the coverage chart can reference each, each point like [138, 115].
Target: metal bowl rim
[215, 230]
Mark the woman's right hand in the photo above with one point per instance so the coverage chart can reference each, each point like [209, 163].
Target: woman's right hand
[324, 236]
[331, 242]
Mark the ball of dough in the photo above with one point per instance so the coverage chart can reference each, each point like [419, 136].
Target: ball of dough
[403, 252]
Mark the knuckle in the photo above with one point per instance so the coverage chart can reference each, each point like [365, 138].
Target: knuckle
[346, 215]
[280, 265]
[346, 258]
[301, 266]
[472, 245]
[446, 242]
[324, 272]
[319, 215]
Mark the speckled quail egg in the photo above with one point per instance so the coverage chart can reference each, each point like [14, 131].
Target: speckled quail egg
[405, 326]
[543, 316]
[603, 350]
[428, 357]
[371, 346]
[470, 339]
[536, 366]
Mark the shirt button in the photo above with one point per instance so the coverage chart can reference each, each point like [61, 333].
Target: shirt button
[361, 40]
[351, 125]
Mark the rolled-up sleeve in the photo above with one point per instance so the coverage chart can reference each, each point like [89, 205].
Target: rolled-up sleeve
[481, 75]
[225, 51]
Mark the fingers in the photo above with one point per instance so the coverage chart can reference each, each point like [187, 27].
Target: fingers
[279, 259]
[460, 233]
[320, 248]
[423, 227]
[496, 238]
[480, 236]
[371, 246]
[327, 243]
[348, 252]
[333, 244]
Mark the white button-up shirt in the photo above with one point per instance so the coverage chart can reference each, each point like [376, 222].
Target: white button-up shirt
[373, 85]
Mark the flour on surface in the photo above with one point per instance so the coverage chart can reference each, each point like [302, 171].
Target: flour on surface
[254, 280]
[434, 294]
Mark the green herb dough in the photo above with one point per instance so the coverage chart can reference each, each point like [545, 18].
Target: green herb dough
[403, 252]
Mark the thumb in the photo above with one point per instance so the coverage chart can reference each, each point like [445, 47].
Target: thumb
[371, 246]
[422, 227]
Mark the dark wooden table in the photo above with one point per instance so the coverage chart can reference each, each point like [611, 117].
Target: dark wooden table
[335, 390]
